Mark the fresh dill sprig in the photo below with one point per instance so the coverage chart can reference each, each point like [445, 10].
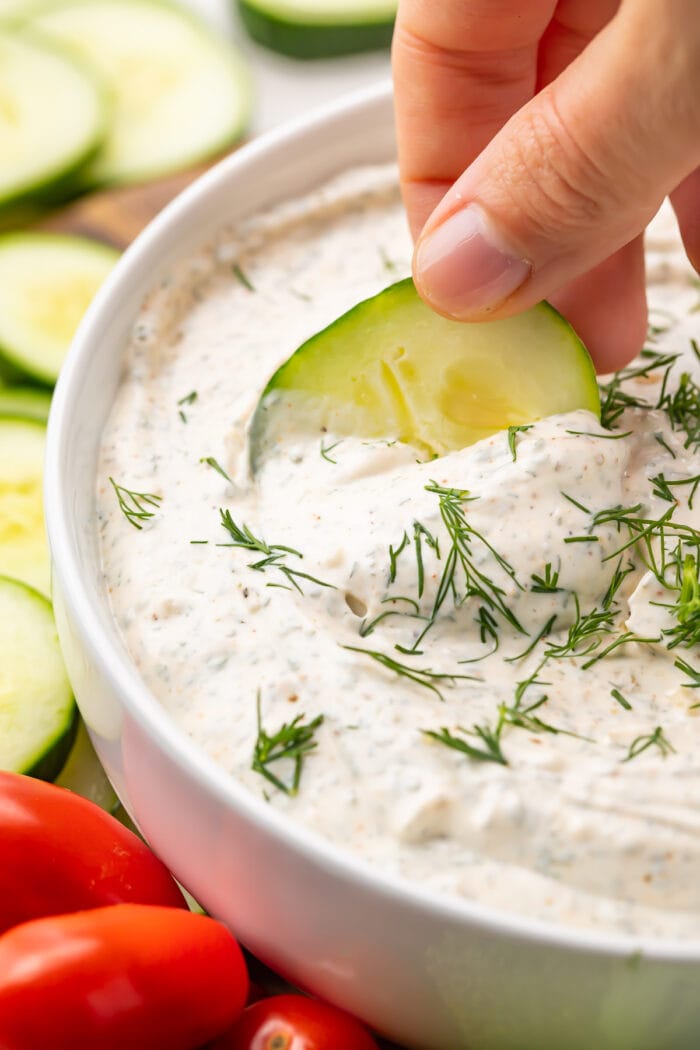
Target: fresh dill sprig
[686, 609]
[683, 409]
[274, 554]
[293, 740]
[134, 505]
[523, 718]
[490, 752]
[585, 633]
[426, 678]
[474, 582]
[663, 488]
[642, 743]
[622, 639]
[215, 465]
[691, 673]
[649, 535]
[614, 400]
[513, 431]
[488, 627]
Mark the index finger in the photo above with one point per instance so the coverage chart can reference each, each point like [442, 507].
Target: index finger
[461, 69]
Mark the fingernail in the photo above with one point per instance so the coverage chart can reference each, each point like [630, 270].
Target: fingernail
[464, 269]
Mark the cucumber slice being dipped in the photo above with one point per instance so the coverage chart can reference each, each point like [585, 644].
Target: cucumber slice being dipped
[52, 119]
[179, 93]
[319, 28]
[38, 716]
[46, 283]
[392, 368]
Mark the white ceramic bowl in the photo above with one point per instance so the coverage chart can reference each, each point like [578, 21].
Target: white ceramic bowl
[429, 972]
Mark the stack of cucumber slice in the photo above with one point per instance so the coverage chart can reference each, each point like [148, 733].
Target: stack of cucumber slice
[92, 93]
[319, 28]
[96, 92]
[46, 283]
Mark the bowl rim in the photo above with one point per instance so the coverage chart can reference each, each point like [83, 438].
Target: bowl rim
[111, 662]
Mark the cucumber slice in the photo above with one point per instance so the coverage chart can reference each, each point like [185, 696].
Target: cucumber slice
[319, 28]
[391, 367]
[24, 552]
[46, 284]
[179, 93]
[52, 118]
[38, 716]
[24, 402]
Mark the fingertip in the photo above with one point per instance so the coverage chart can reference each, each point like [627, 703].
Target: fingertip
[464, 269]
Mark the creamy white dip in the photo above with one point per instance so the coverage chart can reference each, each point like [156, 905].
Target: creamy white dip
[596, 824]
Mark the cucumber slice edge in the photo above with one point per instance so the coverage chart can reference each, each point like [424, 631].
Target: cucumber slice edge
[304, 37]
[19, 341]
[53, 728]
[50, 186]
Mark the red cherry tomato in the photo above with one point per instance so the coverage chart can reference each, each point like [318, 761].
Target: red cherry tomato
[125, 977]
[293, 1022]
[61, 853]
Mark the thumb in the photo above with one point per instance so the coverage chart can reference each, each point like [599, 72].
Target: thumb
[575, 174]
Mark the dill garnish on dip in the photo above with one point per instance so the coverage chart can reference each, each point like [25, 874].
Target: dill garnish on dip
[473, 665]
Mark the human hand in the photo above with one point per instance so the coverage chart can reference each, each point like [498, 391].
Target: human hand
[536, 140]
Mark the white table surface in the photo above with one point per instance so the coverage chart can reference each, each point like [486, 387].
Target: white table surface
[285, 87]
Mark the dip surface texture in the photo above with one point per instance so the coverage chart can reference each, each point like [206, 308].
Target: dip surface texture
[485, 664]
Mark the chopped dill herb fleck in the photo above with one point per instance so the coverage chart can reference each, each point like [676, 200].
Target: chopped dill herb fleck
[327, 449]
[188, 399]
[608, 437]
[617, 695]
[576, 503]
[242, 277]
[215, 465]
[546, 584]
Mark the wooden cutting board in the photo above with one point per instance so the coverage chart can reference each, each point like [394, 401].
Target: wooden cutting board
[116, 216]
